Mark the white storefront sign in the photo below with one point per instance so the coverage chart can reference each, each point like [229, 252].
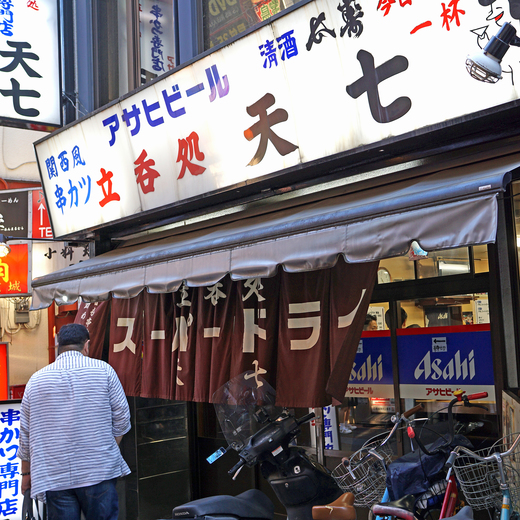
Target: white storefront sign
[316, 82]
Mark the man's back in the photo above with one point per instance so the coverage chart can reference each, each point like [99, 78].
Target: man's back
[74, 409]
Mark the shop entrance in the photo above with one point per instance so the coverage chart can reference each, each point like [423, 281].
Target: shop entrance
[428, 332]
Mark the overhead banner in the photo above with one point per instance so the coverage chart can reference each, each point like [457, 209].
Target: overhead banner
[314, 82]
[30, 92]
[185, 345]
[436, 361]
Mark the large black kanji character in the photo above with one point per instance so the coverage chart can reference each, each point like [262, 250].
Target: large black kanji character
[17, 93]
[19, 56]
[317, 28]
[371, 78]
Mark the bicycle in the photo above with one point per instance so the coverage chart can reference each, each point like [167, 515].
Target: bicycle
[343, 509]
[364, 473]
[490, 479]
[410, 502]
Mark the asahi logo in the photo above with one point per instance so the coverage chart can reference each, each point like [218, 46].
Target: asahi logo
[368, 370]
[437, 369]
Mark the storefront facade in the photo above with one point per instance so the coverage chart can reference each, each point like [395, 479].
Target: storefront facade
[301, 164]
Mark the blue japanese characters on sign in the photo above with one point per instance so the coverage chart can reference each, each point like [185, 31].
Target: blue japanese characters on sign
[11, 497]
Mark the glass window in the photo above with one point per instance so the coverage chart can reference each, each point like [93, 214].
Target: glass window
[480, 259]
[369, 404]
[395, 270]
[516, 206]
[438, 263]
[443, 343]
[225, 19]
[111, 56]
[446, 345]
[444, 263]
[116, 67]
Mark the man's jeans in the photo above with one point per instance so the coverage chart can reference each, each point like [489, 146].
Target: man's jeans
[98, 502]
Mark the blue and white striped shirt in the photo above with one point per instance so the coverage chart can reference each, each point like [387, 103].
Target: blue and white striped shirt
[71, 412]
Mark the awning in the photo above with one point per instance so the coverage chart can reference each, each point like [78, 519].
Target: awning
[452, 208]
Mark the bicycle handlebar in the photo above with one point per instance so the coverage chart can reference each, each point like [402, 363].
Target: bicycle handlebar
[460, 398]
[396, 419]
[496, 457]
[413, 410]
[477, 396]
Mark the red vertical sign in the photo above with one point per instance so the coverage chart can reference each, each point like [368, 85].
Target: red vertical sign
[4, 379]
[41, 226]
[14, 271]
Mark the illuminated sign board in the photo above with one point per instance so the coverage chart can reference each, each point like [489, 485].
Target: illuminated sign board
[30, 93]
[41, 226]
[436, 361]
[319, 80]
[14, 271]
[372, 373]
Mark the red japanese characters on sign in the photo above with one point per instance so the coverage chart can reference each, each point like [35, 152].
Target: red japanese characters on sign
[41, 226]
[14, 271]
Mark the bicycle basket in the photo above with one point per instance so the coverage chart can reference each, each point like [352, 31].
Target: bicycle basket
[480, 481]
[365, 473]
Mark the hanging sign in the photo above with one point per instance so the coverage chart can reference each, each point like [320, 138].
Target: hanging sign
[30, 93]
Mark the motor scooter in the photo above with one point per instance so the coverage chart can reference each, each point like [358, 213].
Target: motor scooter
[262, 434]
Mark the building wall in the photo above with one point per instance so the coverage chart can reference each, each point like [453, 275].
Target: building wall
[17, 159]
[28, 342]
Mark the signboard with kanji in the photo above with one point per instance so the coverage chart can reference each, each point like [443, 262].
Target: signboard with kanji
[321, 79]
[14, 211]
[11, 498]
[14, 271]
[30, 93]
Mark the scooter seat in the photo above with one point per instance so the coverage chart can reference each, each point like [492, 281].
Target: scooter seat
[403, 508]
[341, 509]
[250, 504]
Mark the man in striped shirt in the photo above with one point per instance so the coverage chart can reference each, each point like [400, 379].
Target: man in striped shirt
[73, 415]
